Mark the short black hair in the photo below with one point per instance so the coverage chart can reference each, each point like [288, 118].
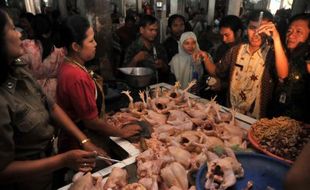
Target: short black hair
[130, 18]
[254, 15]
[147, 20]
[73, 29]
[27, 15]
[302, 16]
[41, 24]
[233, 22]
[172, 18]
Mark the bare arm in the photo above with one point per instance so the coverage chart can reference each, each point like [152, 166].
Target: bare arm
[63, 119]
[142, 55]
[207, 61]
[23, 170]
[104, 128]
[210, 66]
[281, 60]
[282, 65]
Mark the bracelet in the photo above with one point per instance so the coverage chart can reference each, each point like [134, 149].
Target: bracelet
[84, 141]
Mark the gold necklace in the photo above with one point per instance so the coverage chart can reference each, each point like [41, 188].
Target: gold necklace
[95, 78]
[77, 64]
[91, 73]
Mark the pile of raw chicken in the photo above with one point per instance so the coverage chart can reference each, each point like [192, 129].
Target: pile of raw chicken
[186, 134]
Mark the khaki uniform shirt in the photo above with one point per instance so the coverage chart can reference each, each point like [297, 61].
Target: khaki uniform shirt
[25, 131]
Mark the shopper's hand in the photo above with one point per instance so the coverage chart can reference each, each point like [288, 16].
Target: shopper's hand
[130, 130]
[160, 64]
[80, 160]
[141, 56]
[216, 85]
[198, 55]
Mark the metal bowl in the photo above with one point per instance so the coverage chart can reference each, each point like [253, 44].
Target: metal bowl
[137, 77]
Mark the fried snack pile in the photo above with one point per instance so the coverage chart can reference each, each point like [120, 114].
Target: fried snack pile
[281, 136]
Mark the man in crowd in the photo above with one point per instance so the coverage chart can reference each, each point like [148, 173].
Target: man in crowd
[231, 30]
[248, 71]
[146, 51]
[176, 27]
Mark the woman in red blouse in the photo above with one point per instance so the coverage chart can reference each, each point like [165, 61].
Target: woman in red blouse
[77, 92]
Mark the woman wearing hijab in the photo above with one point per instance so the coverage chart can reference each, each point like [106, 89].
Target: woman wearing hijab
[183, 65]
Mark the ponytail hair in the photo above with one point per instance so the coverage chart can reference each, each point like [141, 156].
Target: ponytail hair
[73, 29]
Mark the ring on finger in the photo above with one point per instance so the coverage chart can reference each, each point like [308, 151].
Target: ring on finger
[84, 164]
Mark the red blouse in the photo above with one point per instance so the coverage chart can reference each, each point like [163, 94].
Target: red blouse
[76, 92]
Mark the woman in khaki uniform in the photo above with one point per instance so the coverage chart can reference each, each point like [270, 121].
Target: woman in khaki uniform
[25, 124]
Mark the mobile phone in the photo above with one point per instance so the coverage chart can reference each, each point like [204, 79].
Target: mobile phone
[155, 53]
[260, 18]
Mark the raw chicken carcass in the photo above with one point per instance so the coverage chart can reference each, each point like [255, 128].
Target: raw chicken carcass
[87, 181]
[232, 134]
[174, 174]
[175, 93]
[222, 173]
[121, 118]
[175, 188]
[211, 142]
[117, 179]
[198, 160]
[131, 104]
[162, 104]
[213, 111]
[150, 183]
[180, 155]
[180, 120]
[189, 86]
[195, 113]
[149, 168]
[134, 186]
[155, 118]
[190, 140]
[169, 129]
[143, 99]
[177, 117]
